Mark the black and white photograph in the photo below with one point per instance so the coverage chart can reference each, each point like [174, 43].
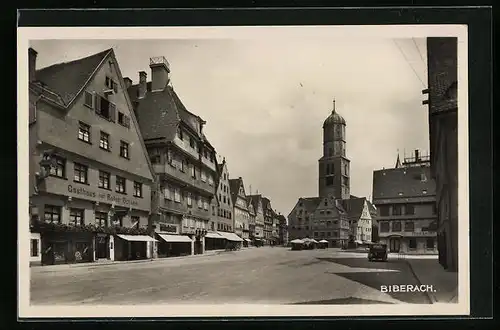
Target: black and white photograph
[243, 171]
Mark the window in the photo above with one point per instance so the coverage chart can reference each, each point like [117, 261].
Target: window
[396, 226]
[315, 234]
[52, 213]
[179, 134]
[203, 176]
[183, 165]
[76, 217]
[60, 169]
[81, 172]
[89, 99]
[124, 149]
[104, 178]
[200, 202]
[137, 189]
[111, 84]
[136, 221]
[205, 205]
[429, 243]
[213, 212]
[177, 195]
[105, 108]
[396, 210]
[121, 184]
[410, 209]
[101, 219]
[84, 132]
[329, 181]
[383, 210]
[189, 199]
[104, 141]
[155, 159]
[384, 227]
[193, 171]
[118, 221]
[167, 193]
[409, 226]
[123, 119]
[34, 247]
[412, 243]
[434, 208]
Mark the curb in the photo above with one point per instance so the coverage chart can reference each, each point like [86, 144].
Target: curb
[49, 269]
[429, 295]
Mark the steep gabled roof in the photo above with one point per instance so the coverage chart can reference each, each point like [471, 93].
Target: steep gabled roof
[310, 203]
[354, 207]
[234, 187]
[68, 79]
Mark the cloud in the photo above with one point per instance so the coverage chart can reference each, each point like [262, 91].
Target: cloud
[265, 101]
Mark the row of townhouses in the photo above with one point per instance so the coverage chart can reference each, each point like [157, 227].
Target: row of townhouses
[122, 171]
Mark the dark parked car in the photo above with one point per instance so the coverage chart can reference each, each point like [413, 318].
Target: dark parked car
[377, 252]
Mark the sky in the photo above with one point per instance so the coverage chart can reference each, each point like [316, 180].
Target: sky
[265, 100]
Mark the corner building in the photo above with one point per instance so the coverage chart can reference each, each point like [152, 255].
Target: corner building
[90, 176]
[405, 197]
[183, 161]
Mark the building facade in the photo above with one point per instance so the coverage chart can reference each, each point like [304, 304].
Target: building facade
[251, 222]
[442, 90]
[258, 207]
[183, 160]
[90, 176]
[330, 215]
[405, 199]
[283, 230]
[240, 206]
[268, 220]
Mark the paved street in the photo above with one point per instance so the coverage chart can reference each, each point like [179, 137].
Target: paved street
[256, 275]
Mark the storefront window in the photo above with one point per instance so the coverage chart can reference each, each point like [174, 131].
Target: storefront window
[34, 248]
[52, 213]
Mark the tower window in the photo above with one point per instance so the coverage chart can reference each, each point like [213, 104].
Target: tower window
[329, 181]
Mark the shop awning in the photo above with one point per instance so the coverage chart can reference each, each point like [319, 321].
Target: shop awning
[137, 238]
[231, 237]
[175, 238]
[246, 239]
[214, 235]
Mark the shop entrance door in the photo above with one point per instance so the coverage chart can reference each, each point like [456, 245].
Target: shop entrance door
[101, 247]
[394, 245]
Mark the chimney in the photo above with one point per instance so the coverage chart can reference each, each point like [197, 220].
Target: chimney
[416, 155]
[160, 70]
[128, 82]
[142, 84]
[32, 64]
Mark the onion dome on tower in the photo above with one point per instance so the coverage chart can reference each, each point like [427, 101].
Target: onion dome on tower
[334, 118]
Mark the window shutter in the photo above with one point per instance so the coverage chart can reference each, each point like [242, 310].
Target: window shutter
[97, 103]
[112, 112]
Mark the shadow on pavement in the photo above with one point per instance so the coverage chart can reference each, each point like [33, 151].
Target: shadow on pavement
[376, 279]
[342, 301]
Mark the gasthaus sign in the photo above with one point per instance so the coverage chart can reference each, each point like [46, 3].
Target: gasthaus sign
[105, 197]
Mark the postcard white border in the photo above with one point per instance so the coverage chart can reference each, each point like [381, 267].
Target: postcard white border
[25, 34]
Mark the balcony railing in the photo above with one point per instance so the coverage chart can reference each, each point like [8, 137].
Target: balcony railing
[184, 177]
[159, 60]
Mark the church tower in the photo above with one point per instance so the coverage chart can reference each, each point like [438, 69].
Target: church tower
[334, 166]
